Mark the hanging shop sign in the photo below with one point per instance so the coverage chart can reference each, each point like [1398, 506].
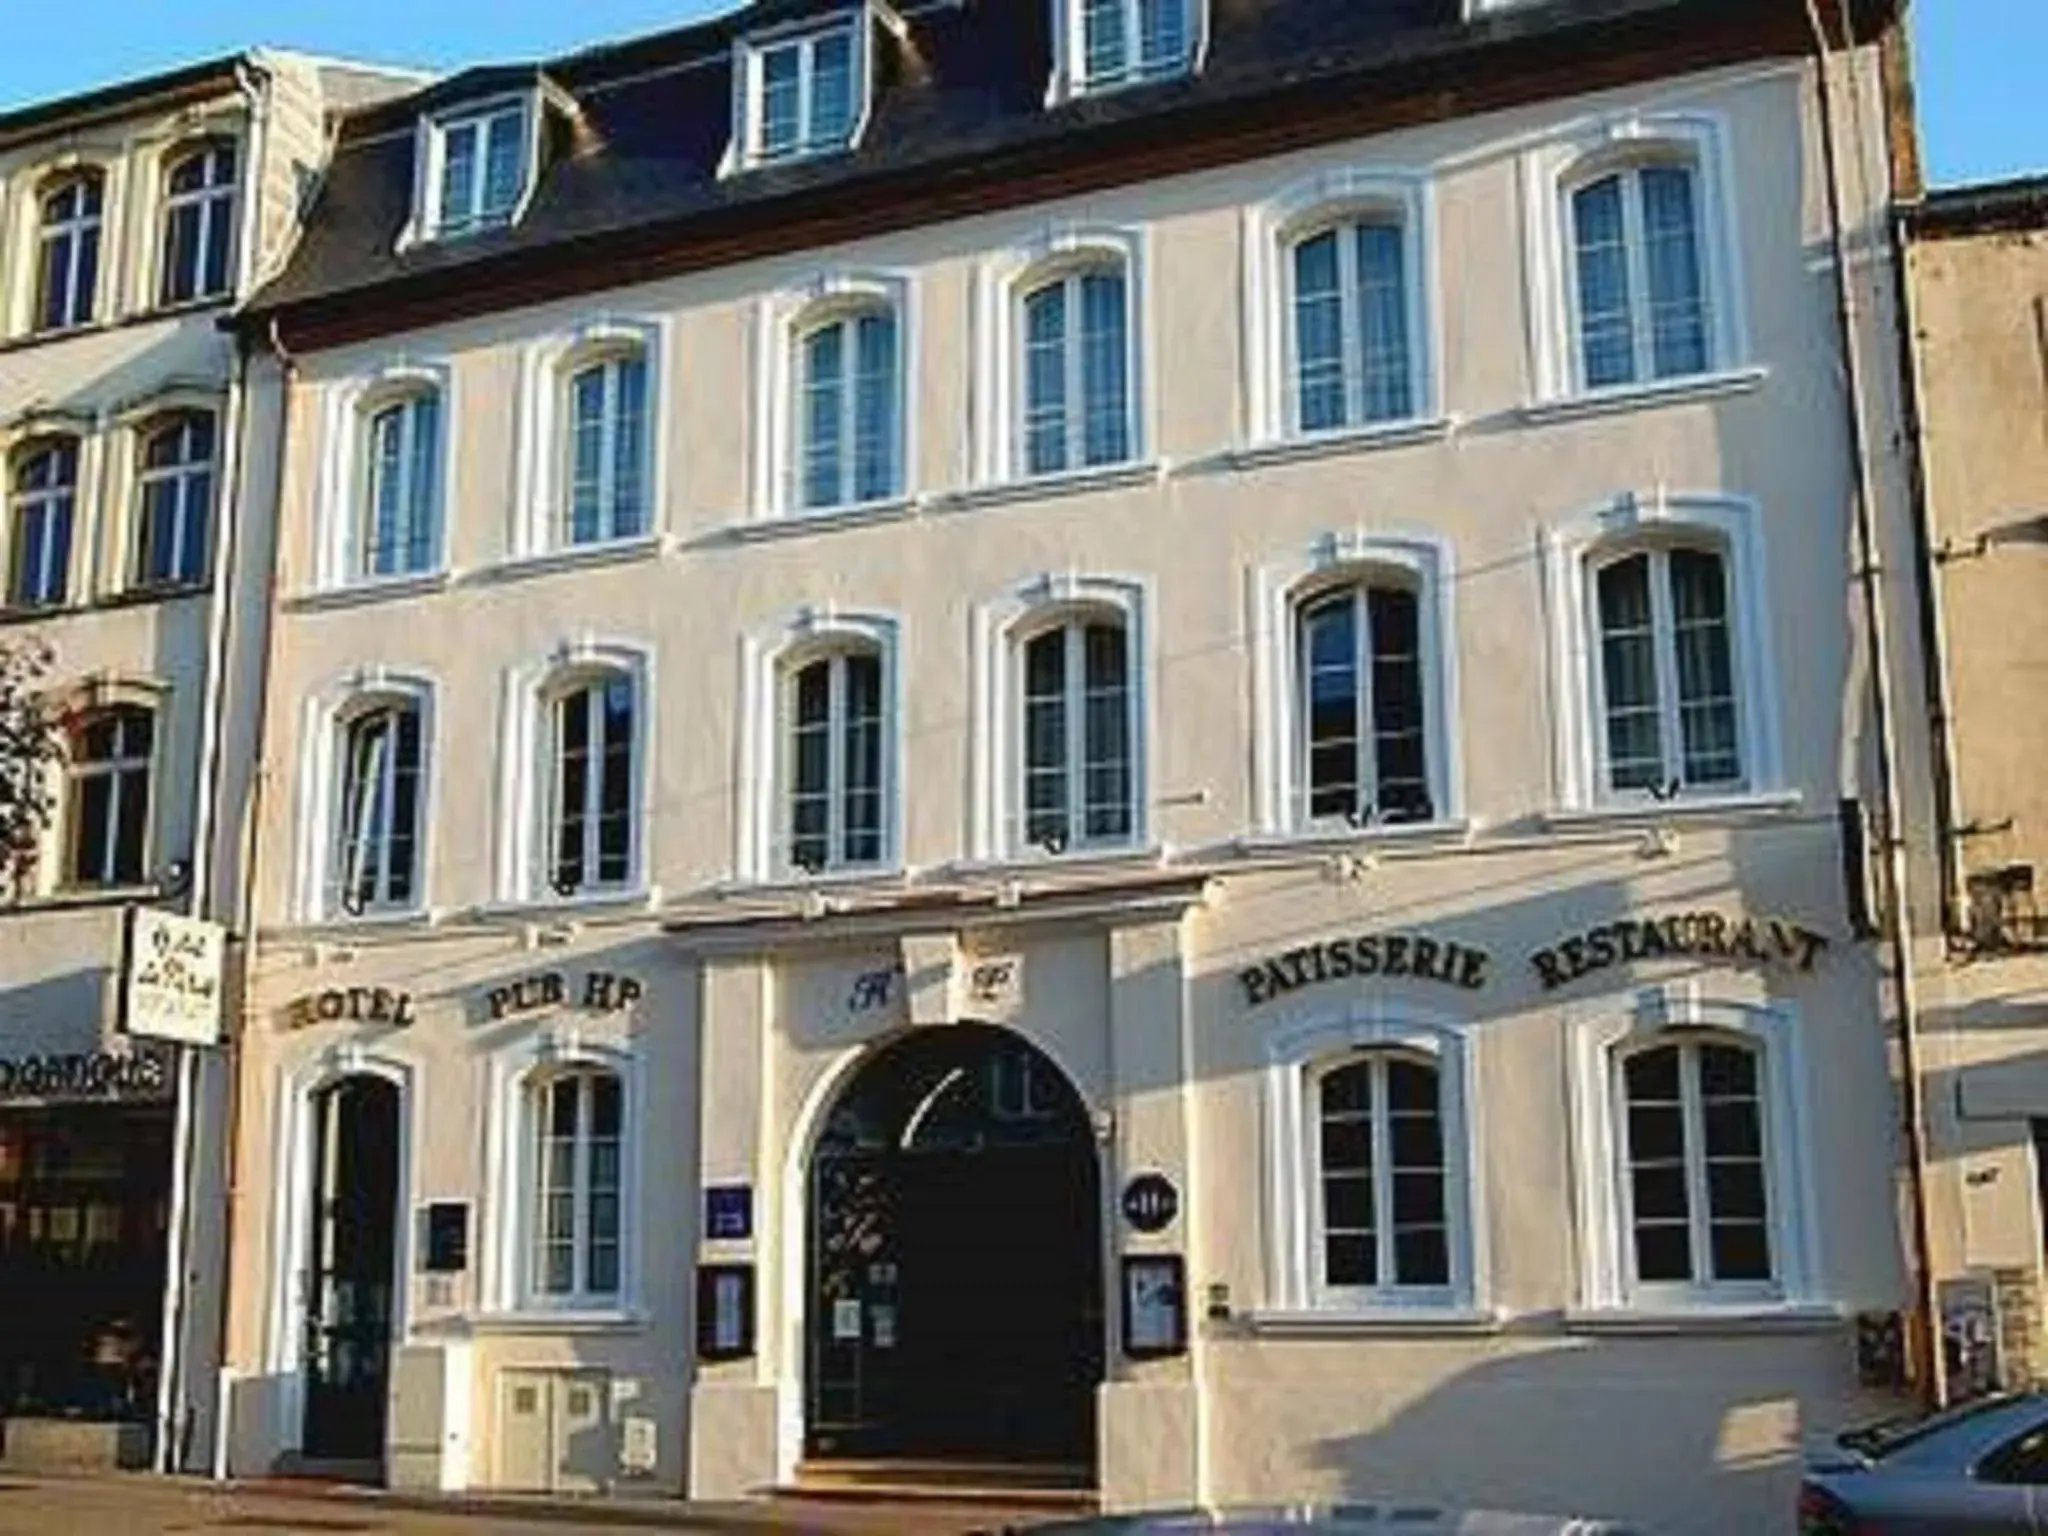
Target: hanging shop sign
[171, 977]
[353, 1005]
[1422, 956]
[1762, 941]
[138, 1074]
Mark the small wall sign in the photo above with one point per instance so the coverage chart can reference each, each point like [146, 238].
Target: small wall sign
[725, 1311]
[1155, 1306]
[447, 1244]
[729, 1213]
[1151, 1202]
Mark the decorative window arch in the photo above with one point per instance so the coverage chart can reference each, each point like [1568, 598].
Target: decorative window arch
[1355, 686]
[566, 1128]
[71, 210]
[1342, 304]
[1063, 725]
[594, 446]
[197, 255]
[368, 794]
[43, 511]
[1659, 620]
[578, 767]
[387, 474]
[1063, 384]
[1371, 1152]
[823, 750]
[1632, 252]
[1107, 45]
[1687, 1122]
[835, 376]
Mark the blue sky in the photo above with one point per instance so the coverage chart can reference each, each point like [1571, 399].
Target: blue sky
[1984, 110]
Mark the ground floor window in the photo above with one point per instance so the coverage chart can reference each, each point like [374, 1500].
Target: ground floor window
[84, 1211]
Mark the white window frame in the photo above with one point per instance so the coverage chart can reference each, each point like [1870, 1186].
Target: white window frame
[559, 1046]
[1305, 208]
[181, 475]
[1587, 151]
[749, 114]
[204, 198]
[769, 660]
[18, 504]
[325, 716]
[1002, 629]
[545, 459]
[430, 219]
[528, 770]
[78, 770]
[1301, 1051]
[1002, 283]
[1424, 563]
[106, 263]
[782, 321]
[1600, 1034]
[344, 468]
[1070, 54]
[1572, 551]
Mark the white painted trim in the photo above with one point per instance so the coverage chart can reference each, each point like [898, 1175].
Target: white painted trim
[1067, 83]
[541, 461]
[325, 713]
[1422, 560]
[1271, 229]
[429, 136]
[292, 1159]
[1310, 1041]
[742, 151]
[513, 1070]
[1000, 627]
[1598, 1033]
[781, 321]
[523, 778]
[767, 656]
[342, 478]
[1002, 282]
[1613, 401]
[1730, 524]
[1551, 169]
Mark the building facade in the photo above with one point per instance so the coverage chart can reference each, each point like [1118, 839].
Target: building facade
[131, 219]
[1974, 261]
[1104, 741]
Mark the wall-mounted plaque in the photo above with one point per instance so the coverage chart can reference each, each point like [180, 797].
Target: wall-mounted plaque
[729, 1213]
[1151, 1202]
[1155, 1306]
[725, 1311]
[446, 1248]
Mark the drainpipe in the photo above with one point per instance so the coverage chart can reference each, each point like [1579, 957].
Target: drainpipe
[1898, 917]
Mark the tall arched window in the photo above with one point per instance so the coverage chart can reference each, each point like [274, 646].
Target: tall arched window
[849, 413]
[1640, 277]
[398, 529]
[1670, 706]
[68, 251]
[107, 804]
[42, 504]
[379, 809]
[1077, 735]
[591, 783]
[1075, 359]
[199, 225]
[835, 762]
[1351, 357]
[1381, 1216]
[175, 500]
[1363, 745]
[606, 463]
[578, 1137]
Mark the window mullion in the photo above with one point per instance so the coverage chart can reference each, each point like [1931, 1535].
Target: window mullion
[387, 808]
[610, 396]
[1382, 1178]
[1664, 650]
[1076, 681]
[1366, 794]
[1635, 241]
[579, 1190]
[1350, 322]
[596, 737]
[1697, 1190]
[836, 724]
[1077, 374]
[848, 467]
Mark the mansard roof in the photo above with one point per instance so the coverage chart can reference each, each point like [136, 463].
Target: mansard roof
[636, 180]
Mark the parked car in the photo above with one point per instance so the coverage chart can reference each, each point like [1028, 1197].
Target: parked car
[1388, 1519]
[1977, 1470]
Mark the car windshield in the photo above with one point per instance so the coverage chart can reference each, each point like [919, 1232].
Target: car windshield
[1890, 1436]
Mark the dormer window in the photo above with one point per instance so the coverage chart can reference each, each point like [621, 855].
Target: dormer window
[1113, 43]
[477, 168]
[803, 93]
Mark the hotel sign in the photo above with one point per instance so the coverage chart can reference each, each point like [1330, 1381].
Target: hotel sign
[171, 977]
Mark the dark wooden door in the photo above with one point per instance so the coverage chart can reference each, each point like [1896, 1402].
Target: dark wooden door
[353, 1254]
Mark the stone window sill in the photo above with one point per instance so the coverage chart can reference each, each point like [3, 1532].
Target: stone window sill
[1706, 1317]
[1652, 813]
[78, 897]
[1343, 440]
[798, 523]
[1370, 1322]
[380, 589]
[1444, 833]
[1073, 482]
[640, 898]
[547, 1320]
[1637, 397]
[575, 557]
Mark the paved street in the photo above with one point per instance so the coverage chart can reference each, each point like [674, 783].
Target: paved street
[117, 1506]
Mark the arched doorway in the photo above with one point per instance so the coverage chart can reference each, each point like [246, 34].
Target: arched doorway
[954, 1285]
[351, 1269]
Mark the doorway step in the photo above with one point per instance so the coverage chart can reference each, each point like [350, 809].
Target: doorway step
[1038, 1486]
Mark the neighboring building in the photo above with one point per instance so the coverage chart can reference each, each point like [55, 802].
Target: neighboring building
[1977, 280]
[131, 219]
[1105, 740]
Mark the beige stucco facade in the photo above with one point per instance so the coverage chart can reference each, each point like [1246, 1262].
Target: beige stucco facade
[1977, 359]
[1544, 1378]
